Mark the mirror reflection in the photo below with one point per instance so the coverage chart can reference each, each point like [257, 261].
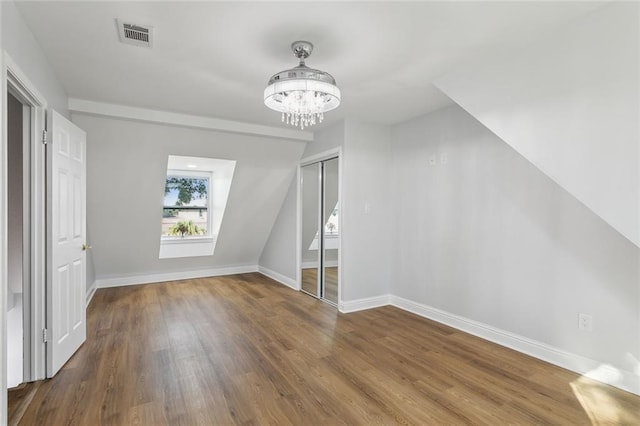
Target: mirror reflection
[331, 210]
[320, 229]
[310, 181]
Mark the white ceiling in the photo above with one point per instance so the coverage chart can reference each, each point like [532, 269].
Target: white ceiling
[214, 58]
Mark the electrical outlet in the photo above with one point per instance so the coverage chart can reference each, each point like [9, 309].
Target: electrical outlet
[585, 322]
[432, 160]
[444, 158]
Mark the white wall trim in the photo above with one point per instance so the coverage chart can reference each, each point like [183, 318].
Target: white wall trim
[125, 280]
[276, 276]
[91, 292]
[186, 120]
[363, 304]
[21, 78]
[28, 94]
[588, 367]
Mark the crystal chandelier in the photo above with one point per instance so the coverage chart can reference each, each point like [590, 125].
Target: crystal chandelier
[302, 94]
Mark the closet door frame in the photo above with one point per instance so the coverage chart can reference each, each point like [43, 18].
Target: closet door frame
[322, 156]
[314, 171]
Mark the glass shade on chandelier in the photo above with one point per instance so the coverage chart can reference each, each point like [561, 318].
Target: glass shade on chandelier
[302, 95]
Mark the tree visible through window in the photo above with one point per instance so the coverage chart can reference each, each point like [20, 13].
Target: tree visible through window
[186, 206]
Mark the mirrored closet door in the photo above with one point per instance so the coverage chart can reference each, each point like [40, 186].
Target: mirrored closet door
[320, 229]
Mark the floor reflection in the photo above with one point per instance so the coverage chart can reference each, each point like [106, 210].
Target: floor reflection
[603, 403]
[310, 282]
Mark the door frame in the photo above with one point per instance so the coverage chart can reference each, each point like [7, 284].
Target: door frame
[34, 300]
[322, 156]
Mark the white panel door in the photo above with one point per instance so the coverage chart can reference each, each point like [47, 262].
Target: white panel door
[66, 281]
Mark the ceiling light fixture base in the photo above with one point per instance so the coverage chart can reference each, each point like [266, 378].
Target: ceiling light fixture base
[302, 49]
[302, 94]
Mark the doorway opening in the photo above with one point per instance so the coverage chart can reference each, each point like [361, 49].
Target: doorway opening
[18, 228]
[320, 229]
[25, 118]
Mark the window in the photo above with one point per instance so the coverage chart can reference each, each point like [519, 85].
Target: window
[331, 227]
[186, 206]
[331, 231]
[194, 200]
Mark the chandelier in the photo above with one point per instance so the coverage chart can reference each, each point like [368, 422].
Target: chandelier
[302, 94]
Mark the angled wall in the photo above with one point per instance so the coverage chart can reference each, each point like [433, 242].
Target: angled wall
[279, 253]
[570, 104]
[125, 192]
[486, 236]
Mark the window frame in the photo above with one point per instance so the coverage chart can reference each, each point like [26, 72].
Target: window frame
[200, 174]
[221, 172]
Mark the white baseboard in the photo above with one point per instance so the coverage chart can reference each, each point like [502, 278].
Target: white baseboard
[625, 380]
[124, 280]
[276, 276]
[362, 304]
[91, 292]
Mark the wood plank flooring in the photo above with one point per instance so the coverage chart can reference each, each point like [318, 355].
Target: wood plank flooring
[19, 399]
[245, 350]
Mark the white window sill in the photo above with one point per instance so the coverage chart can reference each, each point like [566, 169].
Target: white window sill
[172, 247]
[186, 240]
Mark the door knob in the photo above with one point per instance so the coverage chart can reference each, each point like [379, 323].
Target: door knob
[85, 247]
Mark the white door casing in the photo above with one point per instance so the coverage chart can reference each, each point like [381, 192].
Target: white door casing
[66, 266]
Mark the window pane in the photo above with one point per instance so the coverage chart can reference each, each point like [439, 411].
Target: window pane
[185, 211]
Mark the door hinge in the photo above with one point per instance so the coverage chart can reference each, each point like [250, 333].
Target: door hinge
[44, 137]
[44, 335]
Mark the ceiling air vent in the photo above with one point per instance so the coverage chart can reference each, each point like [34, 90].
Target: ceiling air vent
[137, 35]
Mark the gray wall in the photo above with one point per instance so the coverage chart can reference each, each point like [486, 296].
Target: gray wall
[125, 191]
[489, 237]
[366, 209]
[26, 53]
[324, 140]
[19, 43]
[279, 253]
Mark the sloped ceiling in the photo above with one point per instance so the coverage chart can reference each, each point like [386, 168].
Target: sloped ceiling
[214, 58]
[570, 104]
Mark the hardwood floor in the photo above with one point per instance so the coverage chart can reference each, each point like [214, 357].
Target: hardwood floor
[19, 399]
[244, 349]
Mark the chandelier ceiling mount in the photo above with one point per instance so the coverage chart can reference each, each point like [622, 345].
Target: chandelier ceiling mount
[302, 94]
